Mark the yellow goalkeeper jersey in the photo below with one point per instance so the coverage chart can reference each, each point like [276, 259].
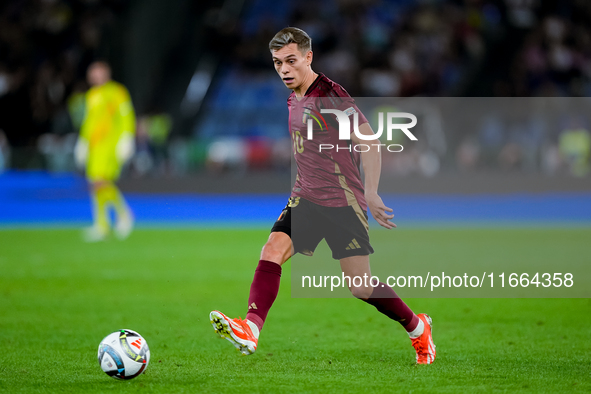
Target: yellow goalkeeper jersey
[109, 116]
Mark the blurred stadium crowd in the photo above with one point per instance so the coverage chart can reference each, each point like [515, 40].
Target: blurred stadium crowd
[45, 47]
[374, 48]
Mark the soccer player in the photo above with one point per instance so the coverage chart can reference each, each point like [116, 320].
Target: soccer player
[105, 143]
[328, 201]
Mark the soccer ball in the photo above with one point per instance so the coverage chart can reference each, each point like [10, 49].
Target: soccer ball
[124, 354]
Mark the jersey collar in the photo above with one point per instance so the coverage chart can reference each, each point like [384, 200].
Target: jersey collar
[313, 86]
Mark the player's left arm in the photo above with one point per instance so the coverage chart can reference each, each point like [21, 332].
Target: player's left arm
[126, 144]
[372, 167]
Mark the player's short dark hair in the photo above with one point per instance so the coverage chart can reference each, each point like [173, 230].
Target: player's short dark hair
[291, 35]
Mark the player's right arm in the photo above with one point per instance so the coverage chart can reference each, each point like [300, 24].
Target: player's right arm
[126, 143]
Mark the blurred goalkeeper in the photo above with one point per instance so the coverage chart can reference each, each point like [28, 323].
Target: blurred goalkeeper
[105, 143]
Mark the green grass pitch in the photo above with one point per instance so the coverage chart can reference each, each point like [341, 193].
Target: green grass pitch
[59, 297]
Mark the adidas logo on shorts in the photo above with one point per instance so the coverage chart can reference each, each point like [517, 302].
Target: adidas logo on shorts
[353, 245]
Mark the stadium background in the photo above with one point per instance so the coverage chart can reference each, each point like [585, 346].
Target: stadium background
[211, 115]
[214, 152]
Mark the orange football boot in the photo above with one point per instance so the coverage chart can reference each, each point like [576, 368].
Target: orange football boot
[424, 343]
[237, 331]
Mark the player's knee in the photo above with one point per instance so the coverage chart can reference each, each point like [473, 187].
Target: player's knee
[272, 253]
[361, 292]
[276, 250]
[98, 185]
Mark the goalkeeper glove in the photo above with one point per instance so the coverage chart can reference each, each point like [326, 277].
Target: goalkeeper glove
[81, 152]
[125, 147]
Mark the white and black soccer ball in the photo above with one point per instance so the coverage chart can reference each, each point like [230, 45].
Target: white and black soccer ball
[124, 354]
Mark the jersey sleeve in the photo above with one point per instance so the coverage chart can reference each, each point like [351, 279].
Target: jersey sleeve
[338, 98]
[125, 112]
[347, 104]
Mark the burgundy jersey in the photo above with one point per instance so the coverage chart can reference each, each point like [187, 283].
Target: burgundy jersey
[325, 176]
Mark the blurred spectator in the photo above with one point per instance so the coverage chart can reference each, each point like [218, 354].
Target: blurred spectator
[384, 48]
[57, 151]
[510, 156]
[575, 147]
[76, 105]
[227, 154]
[555, 59]
[467, 155]
[152, 143]
[522, 12]
[45, 47]
[4, 152]
[491, 136]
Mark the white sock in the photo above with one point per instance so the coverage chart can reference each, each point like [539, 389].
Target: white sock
[255, 329]
[417, 332]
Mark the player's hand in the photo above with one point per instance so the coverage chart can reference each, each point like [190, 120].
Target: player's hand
[125, 148]
[81, 152]
[379, 211]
